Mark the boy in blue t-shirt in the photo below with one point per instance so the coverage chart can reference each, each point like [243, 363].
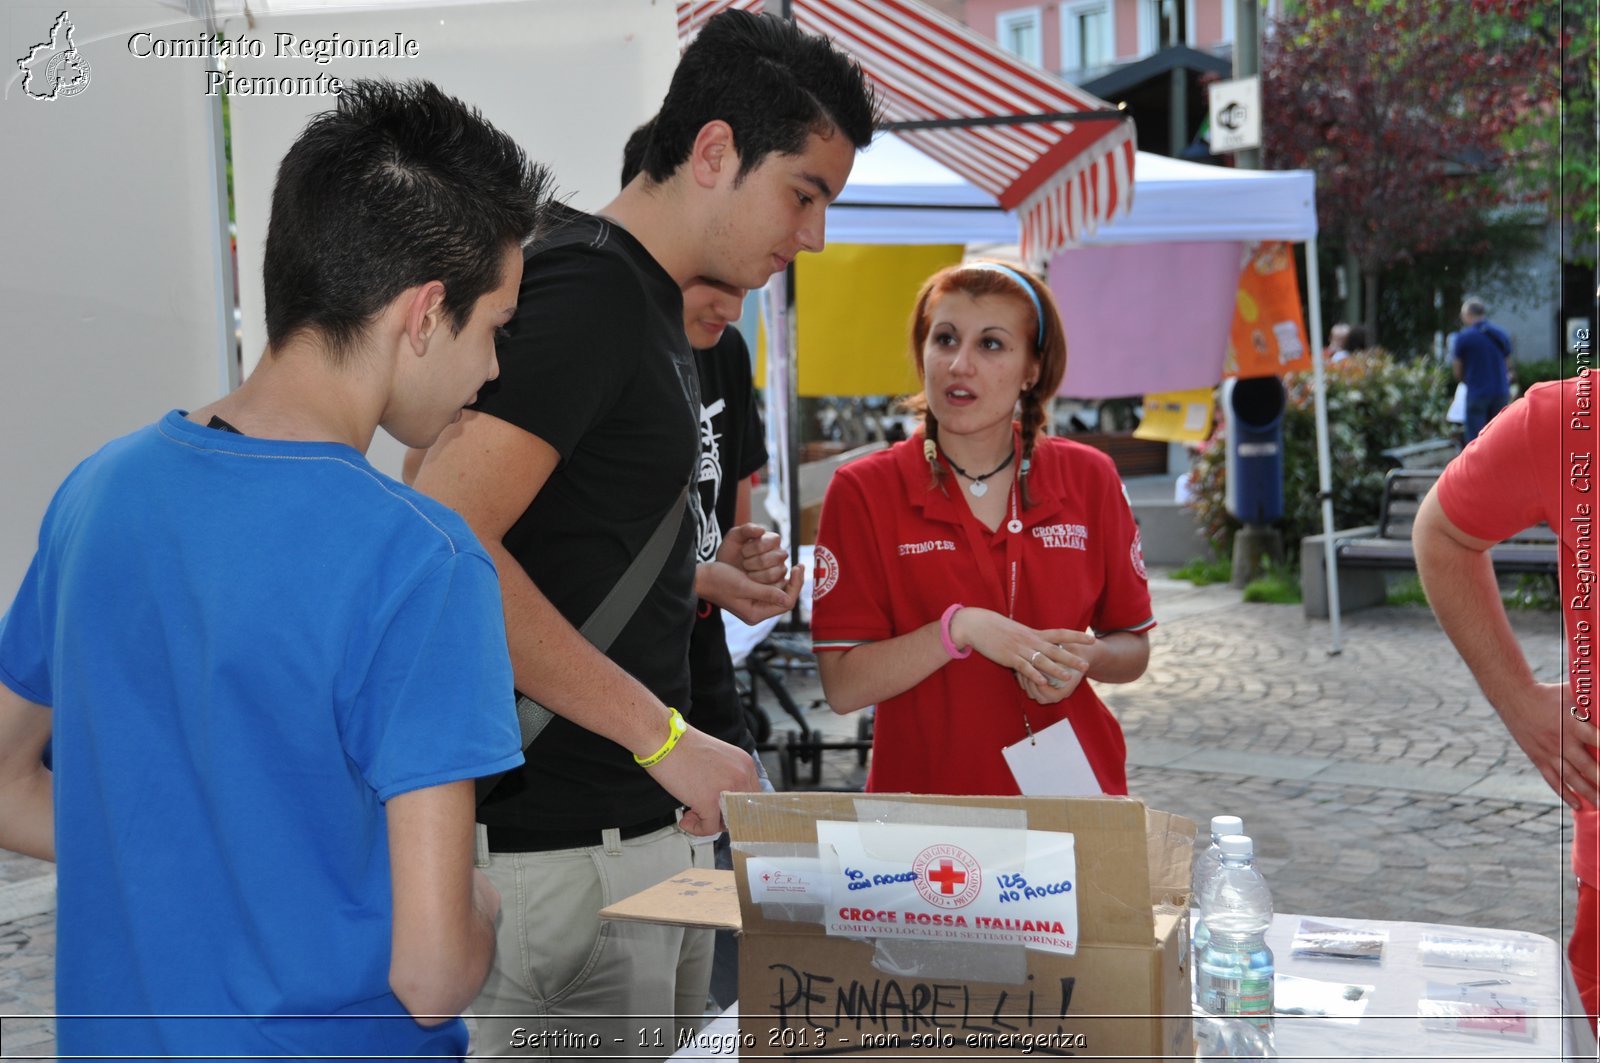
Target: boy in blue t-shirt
[270, 673]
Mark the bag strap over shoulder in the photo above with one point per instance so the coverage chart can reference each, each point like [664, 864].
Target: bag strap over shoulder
[608, 618]
[1494, 337]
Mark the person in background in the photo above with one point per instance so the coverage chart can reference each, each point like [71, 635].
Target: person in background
[1518, 472]
[1482, 361]
[568, 467]
[1353, 342]
[970, 579]
[745, 571]
[1338, 345]
[272, 673]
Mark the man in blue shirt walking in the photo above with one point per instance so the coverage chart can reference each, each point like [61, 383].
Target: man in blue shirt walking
[1482, 360]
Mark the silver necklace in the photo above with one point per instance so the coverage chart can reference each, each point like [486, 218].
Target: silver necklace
[977, 486]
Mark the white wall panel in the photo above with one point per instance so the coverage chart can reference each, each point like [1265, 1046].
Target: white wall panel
[111, 290]
[114, 283]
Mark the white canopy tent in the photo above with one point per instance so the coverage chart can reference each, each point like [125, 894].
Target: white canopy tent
[897, 195]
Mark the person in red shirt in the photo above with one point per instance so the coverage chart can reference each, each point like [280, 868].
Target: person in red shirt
[1534, 462]
[970, 578]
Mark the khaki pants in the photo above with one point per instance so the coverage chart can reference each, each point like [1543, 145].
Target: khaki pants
[568, 985]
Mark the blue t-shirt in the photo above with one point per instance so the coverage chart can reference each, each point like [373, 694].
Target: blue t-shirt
[248, 646]
[1482, 349]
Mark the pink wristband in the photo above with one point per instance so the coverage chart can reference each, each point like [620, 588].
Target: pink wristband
[944, 635]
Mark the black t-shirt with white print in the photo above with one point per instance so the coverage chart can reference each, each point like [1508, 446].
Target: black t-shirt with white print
[732, 447]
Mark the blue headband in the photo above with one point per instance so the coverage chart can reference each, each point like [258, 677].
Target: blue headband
[1038, 307]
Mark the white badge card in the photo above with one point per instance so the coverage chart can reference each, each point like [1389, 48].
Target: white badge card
[1052, 763]
[993, 886]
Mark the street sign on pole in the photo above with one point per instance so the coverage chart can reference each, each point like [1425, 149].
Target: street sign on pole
[1236, 115]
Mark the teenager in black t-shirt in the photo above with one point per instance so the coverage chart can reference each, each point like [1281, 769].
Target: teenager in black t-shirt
[563, 472]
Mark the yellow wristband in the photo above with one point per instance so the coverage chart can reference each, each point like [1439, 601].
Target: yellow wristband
[676, 725]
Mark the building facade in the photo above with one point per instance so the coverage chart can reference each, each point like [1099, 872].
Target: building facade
[1084, 39]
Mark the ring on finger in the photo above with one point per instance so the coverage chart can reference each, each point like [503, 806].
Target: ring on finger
[1035, 656]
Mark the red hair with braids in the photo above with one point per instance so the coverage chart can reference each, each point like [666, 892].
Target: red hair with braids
[1049, 354]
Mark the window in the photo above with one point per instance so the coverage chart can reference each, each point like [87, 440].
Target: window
[1086, 35]
[1162, 24]
[1021, 32]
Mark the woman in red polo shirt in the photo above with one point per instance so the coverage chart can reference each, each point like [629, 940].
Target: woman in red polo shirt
[970, 578]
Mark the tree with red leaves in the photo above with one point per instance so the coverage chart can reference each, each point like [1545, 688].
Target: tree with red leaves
[1408, 112]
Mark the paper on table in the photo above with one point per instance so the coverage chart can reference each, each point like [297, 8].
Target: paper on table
[1327, 941]
[1478, 1010]
[1334, 1001]
[1052, 764]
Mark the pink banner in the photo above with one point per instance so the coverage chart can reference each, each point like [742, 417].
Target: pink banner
[1145, 317]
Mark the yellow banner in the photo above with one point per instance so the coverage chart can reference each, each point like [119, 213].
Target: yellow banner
[1176, 416]
[854, 303]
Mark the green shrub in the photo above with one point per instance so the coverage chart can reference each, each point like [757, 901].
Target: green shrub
[1531, 373]
[1534, 592]
[1407, 591]
[1201, 572]
[1275, 586]
[1374, 402]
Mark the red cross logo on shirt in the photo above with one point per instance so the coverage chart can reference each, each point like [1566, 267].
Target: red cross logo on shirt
[948, 876]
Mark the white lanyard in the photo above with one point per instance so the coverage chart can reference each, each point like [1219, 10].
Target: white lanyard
[1013, 551]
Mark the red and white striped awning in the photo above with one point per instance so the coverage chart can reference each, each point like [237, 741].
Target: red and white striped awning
[1063, 179]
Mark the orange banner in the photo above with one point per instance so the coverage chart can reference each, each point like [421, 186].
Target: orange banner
[1269, 333]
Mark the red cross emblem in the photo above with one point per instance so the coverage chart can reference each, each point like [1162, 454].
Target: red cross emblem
[948, 876]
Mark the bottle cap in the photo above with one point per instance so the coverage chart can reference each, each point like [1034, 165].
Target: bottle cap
[1236, 845]
[1225, 825]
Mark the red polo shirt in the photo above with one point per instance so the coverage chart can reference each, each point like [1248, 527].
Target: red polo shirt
[893, 552]
[1535, 462]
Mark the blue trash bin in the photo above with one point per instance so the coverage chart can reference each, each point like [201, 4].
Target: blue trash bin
[1254, 437]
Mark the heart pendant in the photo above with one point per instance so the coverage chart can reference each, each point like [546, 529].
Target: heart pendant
[978, 488]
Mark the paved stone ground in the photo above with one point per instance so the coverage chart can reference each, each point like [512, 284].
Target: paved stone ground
[27, 957]
[1377, 784]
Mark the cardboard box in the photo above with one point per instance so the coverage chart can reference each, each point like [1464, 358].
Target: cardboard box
[901, 925]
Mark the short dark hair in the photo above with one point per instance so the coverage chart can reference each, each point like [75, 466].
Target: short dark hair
[772, 83]
[633, 152]
[396, 186]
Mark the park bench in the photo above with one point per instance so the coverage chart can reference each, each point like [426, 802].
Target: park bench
[1365, 555]
[1428, 454]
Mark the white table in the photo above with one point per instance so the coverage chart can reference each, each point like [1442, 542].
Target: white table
[1391, 1028]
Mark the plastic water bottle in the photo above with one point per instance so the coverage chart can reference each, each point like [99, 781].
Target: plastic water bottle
[1207, 863]
[1234, 973]
[1230, 1040]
